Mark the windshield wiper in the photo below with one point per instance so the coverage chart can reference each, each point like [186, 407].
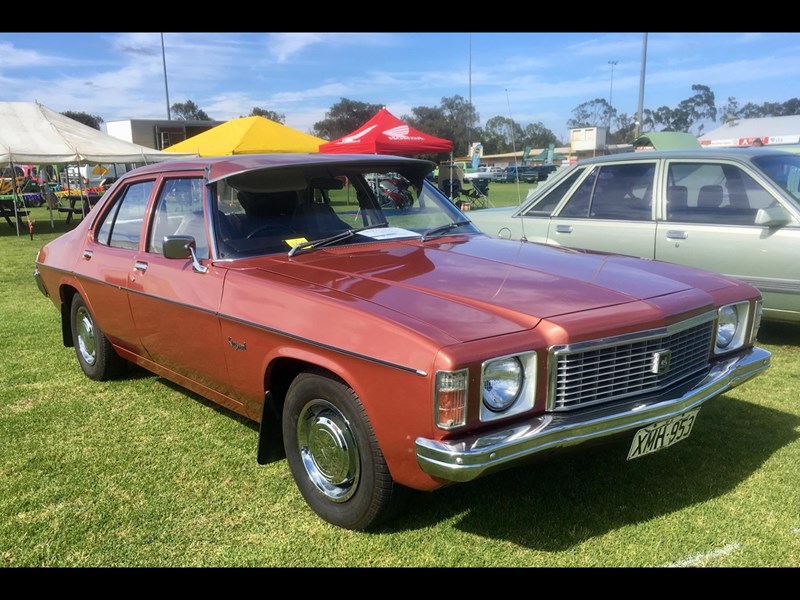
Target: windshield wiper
[444, 228]
[314, 244]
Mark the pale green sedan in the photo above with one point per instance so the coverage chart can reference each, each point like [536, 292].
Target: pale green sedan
[733, 211]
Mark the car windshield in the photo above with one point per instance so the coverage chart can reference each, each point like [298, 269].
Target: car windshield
[783, 169]
[276, 210]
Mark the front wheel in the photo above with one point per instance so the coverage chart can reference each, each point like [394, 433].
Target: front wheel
[95, 353]
[334, 456]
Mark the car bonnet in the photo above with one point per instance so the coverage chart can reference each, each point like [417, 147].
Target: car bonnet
[477, 287]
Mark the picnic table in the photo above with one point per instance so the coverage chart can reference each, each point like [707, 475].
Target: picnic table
[8, 212]
[76, 207]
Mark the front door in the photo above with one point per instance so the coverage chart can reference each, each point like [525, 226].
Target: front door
[175, 307]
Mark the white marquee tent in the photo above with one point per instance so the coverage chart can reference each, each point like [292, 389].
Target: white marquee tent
[31, 133]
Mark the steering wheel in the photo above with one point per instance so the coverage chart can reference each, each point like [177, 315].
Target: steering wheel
[275, 229]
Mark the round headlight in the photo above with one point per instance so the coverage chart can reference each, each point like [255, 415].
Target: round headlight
[502, 382]
[728, 324]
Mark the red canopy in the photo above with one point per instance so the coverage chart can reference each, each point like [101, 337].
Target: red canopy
[386, 134]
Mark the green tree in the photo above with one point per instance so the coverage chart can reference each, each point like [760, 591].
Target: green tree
[594, 113]
[92, 121]
[188, 111]
[499, 135]
[625, 129]
[730, 110]
[454, 119]
[344, 117]
[689, 112]
[267, 114]
[536, 135]
[770, 109]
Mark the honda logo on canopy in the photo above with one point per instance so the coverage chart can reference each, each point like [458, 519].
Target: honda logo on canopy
[400, 133]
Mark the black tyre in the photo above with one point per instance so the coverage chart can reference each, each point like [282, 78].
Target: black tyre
[334, 456]
[95, 354]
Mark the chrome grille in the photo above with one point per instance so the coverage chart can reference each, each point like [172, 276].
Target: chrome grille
[613, 368]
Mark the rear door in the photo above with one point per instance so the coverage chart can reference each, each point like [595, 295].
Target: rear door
[712, 226]
[108, 259]
[611, 209]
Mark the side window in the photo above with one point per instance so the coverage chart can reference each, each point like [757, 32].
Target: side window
[179, 211]
[122, 226]
[719, 194]
[578, 204]
[545, 206]
[624, 192]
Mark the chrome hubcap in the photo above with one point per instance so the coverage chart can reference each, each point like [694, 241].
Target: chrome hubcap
[328, 450]
[87, 343]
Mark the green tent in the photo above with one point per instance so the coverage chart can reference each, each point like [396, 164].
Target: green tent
[665, 140]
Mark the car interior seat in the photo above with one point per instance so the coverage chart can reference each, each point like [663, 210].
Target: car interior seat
[677, 200]
[710, 196]
[315, 218]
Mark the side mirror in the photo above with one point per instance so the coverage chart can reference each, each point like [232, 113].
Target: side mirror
[774, 216]
[183, 247]
[178, 246]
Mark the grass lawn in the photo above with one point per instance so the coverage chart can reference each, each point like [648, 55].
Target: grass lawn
[138, 472]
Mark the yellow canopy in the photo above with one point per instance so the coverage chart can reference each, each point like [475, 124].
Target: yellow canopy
[248, 135]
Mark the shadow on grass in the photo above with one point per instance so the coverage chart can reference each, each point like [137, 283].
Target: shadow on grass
[562, 501]
[42, 231]
[558, 504]
[779, 334]
[137, 372]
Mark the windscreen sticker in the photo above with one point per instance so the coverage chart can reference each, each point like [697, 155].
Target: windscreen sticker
[388, 233]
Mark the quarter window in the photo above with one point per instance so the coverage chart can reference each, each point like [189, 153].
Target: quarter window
[545, 206]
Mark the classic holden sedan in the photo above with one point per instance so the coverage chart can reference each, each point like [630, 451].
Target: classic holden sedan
[387, 348]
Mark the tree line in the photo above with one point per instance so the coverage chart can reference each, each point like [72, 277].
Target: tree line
[456, 119]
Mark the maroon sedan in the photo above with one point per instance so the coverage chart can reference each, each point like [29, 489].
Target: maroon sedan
[382, 347]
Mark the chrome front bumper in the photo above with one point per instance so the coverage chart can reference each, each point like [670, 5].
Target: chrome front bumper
[467, 458]
[40, 282]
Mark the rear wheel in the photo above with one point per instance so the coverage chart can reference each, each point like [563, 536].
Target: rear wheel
[334, 456]
[95, 354]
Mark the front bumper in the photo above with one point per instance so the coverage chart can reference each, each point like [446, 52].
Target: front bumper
[467, 458]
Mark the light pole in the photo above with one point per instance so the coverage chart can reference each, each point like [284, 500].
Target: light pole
[164, 61]
[613, 63]
[640, 110]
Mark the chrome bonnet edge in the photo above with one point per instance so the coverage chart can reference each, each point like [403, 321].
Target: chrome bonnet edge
[468, 458]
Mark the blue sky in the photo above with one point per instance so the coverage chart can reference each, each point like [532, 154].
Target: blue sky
[531, 77]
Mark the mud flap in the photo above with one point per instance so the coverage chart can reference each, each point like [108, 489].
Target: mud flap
[270, 436]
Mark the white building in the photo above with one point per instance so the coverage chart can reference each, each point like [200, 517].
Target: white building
[157, 133]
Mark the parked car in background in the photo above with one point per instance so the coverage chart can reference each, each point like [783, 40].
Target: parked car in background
[523, 172]
[385, 347]
[733, 211]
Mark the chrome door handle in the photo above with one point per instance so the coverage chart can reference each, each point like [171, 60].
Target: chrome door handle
[563, 228]
[140, 266]
[87, 254]
[677, 235]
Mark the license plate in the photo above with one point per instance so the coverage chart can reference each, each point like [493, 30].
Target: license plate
[663, 434]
